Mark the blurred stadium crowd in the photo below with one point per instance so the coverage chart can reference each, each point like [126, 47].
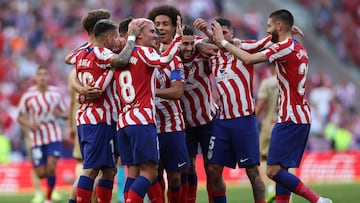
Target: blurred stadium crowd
[36, 32]
[339, 22]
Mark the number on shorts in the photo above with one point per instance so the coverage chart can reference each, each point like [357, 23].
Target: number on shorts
[212, 142]
[112, 145]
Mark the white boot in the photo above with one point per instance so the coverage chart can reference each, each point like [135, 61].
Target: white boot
[324, 200]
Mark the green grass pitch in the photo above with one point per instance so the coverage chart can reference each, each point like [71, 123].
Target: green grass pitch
[339, 193]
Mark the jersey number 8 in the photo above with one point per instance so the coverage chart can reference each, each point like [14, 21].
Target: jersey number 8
[127, 89]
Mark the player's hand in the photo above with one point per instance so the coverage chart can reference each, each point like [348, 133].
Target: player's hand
[295, 30]
[32, 126]
[236, 42]
[206, 49]
[90, 92]
[120, 43]
[135, 26]
[179, 29]
[218, 35]
[72, 134]
[200, 24]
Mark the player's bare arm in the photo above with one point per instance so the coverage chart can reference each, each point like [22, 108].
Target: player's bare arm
[88, 91]
[23, 121]
[241, 54]
[179, 29]
[61, 114]
[122, 59]
[175, 91]
[296, 30]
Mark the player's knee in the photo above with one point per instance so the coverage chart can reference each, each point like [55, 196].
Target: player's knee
[112, 172]
[271, 171]
[214, 171]
[149, 170]
[252, 171]
[174, 179]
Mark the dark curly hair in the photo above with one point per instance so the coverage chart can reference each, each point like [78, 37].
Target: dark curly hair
[89, 20]
[166, 10]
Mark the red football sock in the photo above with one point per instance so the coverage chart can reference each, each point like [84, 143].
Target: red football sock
[49, 192]
[306, 192]
[282, 198]
[103, 194]
[191, 193]
[210, 195]
[83, 196]
[155, 193]
[133, 197]
[174, 195]
[184, 187]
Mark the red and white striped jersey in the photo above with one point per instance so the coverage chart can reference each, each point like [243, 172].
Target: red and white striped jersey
[198, 103]
[292, 67]
[93, 66]
[72, 56]
[234, 80]
[136, 84]
[39, 107]
[169, 117]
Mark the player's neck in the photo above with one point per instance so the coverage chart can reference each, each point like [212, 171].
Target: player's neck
[42, 88]
[91, 39]
[98, 44]
[284, 36]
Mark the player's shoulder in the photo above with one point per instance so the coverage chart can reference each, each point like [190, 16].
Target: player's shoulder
[55, 89]
[102, 52]
[146, 51]
[176, 64]
[145, 48]
[29, 92]
[298, 46]
[177, 60]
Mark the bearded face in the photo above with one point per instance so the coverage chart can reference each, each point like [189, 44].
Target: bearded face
[272, 30]
[274, 36]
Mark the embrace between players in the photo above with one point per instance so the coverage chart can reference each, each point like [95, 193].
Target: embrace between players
[147, 97]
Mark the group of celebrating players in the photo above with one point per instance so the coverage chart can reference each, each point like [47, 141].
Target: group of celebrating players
[146, 95]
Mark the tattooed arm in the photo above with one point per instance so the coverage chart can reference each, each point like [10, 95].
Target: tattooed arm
[121, 60]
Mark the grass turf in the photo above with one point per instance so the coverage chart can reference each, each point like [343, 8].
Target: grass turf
[339, 193]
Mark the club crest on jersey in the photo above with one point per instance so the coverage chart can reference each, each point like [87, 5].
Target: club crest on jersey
[274, 47]
[191, 69]
[162, 79]
[229, 55]
[133, 60]
[302, 53]
[84, 62]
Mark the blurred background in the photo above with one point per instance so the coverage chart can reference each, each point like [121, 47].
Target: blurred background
[33, 32]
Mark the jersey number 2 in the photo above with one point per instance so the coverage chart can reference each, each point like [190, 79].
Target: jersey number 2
[303, 69]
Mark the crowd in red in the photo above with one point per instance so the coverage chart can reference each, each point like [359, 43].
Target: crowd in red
[339, 22]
